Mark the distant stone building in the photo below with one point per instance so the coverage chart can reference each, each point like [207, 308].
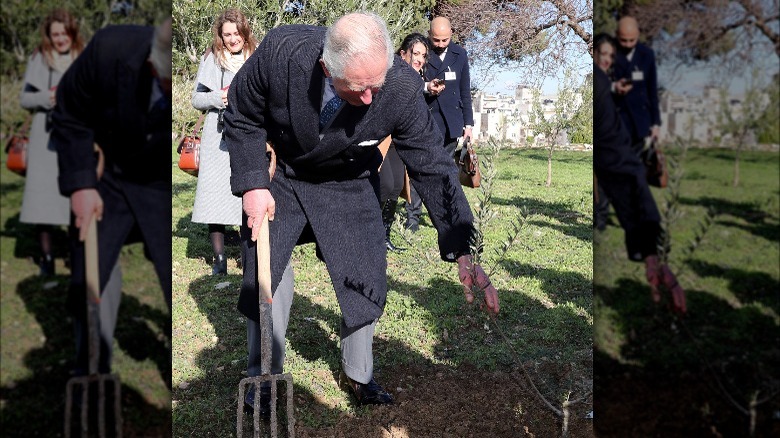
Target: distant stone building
[696, 117]
[505, 117]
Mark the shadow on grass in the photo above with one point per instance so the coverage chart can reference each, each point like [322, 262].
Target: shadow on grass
[541, 155]
[656, 369]
[207, 404]
[198, 243]
[573, 223]
[747, 286]
[35, 406]
[26, 239]
[540, 332]
[758, 222]
[560, 286]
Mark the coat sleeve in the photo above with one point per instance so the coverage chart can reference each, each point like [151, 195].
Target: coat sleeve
[245, 118]
[74, 119]
[206, 96]
[34, 97]
[418, 142]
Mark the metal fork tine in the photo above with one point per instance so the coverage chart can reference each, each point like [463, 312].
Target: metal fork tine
[265, 298]
[101, 407]
[84, 410]
[274, 432]
[86, 384]
[256, 412]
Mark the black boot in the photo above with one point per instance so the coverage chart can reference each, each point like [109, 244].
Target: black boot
[388, 214]
[220, 265]
[46, 266]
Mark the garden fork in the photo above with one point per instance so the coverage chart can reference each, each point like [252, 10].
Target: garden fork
[265, 298]
[82, 385]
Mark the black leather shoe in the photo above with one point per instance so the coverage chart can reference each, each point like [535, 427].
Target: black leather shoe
[366, 393]
[47, 266]
[265, 401]
[412, 226]
[391, 247]
[220, 265]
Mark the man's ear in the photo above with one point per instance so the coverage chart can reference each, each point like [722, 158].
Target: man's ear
[324, 69]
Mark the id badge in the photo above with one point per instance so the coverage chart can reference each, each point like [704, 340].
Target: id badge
[637, 75]
[449, 75]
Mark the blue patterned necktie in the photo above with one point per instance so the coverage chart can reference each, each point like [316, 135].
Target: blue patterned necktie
[329, 110]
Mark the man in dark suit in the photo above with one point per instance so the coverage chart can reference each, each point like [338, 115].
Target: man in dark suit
[638, 103]
[622, 176]
[325, 98]
[448, 94]
[116, 94]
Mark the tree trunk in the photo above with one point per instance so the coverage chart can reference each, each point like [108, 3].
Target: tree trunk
[549, 167]
[736, 166]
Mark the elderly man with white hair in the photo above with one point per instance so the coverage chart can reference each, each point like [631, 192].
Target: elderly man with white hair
[325, 98]
[116, 94]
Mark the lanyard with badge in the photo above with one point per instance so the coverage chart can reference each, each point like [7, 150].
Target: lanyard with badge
[449, 75]
[637, 75]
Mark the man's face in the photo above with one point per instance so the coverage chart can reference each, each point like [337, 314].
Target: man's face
[360, 82]
[440, 38]
[628, 39]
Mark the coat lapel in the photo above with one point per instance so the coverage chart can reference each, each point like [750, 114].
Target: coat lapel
[349, 126]
[434, 66]
[130, 110]
[305, 114]
[346, 127]
[450, 58]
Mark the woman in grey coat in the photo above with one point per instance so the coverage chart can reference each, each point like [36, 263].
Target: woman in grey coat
[215, 204]
[42, 204]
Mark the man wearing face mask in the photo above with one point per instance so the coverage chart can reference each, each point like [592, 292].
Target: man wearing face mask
[448, 94]
[637, 89]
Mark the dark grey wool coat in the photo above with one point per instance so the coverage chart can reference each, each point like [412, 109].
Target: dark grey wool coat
[327, 186]
[104, 98]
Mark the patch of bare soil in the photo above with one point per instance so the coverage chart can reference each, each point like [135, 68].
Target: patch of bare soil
[439, 401]
[641, 403]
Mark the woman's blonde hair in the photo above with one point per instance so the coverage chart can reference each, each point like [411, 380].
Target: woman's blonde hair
[236, 17]
[71, 28]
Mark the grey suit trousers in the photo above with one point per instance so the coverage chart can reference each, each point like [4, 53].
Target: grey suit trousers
[357, 358]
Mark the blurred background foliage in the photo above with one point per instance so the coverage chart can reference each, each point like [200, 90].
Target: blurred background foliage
[21, 34]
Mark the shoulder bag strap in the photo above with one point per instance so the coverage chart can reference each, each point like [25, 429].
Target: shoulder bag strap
[197, 125]
[26, 126]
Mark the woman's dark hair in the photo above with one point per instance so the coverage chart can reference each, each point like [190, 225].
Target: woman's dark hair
[412, 39]
[601, 39]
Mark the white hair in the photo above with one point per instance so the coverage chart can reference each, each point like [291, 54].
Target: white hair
[161, 55]
[360, 37]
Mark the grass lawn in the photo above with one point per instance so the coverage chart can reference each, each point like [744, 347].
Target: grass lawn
[37, 335]
[657, 372]
[451, 372]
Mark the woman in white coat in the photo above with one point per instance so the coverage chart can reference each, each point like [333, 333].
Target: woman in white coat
[43, 205]
[215, 204]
